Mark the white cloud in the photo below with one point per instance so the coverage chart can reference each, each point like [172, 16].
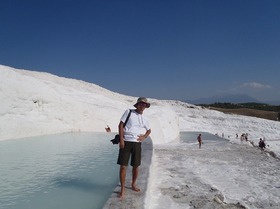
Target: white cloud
[255, 85]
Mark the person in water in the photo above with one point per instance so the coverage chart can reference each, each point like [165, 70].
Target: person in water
[199, 139]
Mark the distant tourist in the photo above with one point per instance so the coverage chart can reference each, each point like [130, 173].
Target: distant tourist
[262, 144]
[131, 137]
[246, 137]
[237, 136]
[199, 139]
[108, 129]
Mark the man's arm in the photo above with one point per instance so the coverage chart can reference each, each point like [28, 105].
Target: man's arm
[121, 133]
[143, 137]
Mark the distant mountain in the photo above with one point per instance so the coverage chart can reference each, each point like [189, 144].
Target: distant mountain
[273, 102]
[230, 98]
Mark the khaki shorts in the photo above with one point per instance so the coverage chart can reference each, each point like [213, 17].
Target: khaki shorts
[133, 149]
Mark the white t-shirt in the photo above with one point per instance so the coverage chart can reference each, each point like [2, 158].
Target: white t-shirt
[136, 125]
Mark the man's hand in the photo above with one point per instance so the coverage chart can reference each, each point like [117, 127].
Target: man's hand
[141, 138]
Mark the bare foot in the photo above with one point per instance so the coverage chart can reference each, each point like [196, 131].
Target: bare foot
[135, 188]
[121, 195]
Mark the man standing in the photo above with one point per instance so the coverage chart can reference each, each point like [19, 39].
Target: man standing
[262, 144]
[136, 130]
[199, 139]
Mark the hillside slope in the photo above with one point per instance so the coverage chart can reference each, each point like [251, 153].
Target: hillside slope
[269, 115]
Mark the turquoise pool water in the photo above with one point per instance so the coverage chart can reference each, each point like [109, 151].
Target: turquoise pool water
[190, 138]
[66, 171]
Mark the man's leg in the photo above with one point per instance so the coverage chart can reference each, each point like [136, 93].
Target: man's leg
[122, 180]
[135, 171]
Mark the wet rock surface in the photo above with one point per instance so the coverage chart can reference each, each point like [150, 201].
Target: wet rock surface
[237, 164]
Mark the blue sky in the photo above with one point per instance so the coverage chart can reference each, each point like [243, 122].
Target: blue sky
[161, 49]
